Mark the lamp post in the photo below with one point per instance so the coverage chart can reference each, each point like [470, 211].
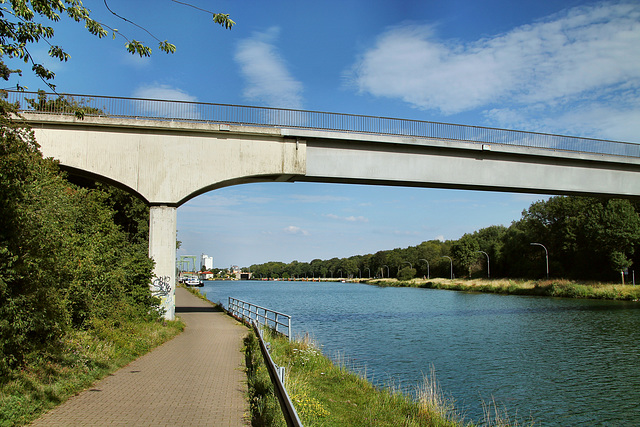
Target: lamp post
[383, 270]
[422, 259]
[404, 262]
[487, 255]
[546, 253]
[367, 268]
[451, 261]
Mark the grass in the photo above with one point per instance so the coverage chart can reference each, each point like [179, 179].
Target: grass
[264, 406]
[552, 288]
[196, 292]
[327, 394]
[47, 380]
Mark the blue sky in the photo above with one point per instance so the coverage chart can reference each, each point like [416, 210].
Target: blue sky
[568, 67]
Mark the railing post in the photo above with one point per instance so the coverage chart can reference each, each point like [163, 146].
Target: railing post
[248, 312]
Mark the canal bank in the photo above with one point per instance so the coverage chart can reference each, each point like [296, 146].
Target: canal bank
[548, 288]
[328, 393]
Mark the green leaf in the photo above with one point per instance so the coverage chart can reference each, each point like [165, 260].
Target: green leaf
[135, 46]
[223, 19]
[167, 47]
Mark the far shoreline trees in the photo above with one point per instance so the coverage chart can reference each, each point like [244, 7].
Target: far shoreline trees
[587, 238]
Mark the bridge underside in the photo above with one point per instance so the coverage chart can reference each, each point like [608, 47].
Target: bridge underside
[455, 165]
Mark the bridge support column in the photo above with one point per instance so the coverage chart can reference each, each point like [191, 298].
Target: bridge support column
[162, 249]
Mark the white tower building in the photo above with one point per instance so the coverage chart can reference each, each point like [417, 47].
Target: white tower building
[207, 261]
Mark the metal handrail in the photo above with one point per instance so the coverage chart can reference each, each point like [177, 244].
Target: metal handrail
[248, 312]
[111, 106]
[288, 410]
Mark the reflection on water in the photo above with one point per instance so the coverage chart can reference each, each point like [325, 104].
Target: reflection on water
[560, 361]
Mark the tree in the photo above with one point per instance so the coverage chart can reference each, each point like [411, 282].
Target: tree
[24, 23]
[590, 238]
[70, 255]
[464, 251]
[491, 241]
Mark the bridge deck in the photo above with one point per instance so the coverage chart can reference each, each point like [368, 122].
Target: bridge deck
[194, 379]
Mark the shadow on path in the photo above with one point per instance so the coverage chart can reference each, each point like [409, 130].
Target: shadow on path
[211, 309]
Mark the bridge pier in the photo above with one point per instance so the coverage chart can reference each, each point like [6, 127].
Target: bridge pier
[162, 249]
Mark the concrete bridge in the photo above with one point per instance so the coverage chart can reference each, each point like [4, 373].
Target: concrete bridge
[168, 152]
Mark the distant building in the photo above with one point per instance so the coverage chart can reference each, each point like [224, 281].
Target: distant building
[207, 275]
[207, 261]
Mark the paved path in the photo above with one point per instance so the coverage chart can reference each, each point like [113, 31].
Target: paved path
[196, 379]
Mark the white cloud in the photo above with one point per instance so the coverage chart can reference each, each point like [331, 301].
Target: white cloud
[214, 200]
[268, 79]
[585, 54]
[617, 122]
[164, 92]
[176, 110]
[405, 233]
[292, 229]
[351, 218]
[310, 198]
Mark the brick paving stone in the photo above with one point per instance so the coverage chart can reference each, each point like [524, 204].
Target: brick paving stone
[195, 379]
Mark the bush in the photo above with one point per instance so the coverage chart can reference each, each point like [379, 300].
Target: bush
[66, 257]
[407, 273]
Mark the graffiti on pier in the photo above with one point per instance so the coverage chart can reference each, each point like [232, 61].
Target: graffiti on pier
[161, 286]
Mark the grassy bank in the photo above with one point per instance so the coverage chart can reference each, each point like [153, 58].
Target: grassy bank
[326, 394]
[46, 380]
[551, 288]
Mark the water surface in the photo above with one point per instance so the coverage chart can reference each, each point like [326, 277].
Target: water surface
[557, 361]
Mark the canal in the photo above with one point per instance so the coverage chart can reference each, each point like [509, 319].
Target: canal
[557, 362]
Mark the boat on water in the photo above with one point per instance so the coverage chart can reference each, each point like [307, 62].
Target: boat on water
[193, 281]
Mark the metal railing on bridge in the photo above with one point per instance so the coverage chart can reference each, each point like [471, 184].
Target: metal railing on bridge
[110, 106]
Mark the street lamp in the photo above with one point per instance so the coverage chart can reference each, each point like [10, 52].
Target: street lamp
[383, 270]
[367, 268]
[487, 255]
[546, 253]
[404, 262]
[451, 261]
[422, 259]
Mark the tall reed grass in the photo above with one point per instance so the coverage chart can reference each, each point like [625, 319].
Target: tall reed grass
[552, 288]
[328, 394]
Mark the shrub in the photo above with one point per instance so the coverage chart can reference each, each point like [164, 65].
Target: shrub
[406, 273]
[66, 257]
